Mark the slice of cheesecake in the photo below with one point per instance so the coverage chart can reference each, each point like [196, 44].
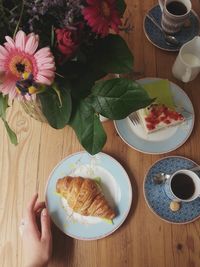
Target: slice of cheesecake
[158, 116]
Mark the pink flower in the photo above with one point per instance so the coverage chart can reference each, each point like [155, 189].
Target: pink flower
[19, 56]
[68, 40]
[101, 16]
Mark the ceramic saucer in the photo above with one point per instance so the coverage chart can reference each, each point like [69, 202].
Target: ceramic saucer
[157, 199]
[156, 37]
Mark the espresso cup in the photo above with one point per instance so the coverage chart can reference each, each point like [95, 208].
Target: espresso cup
[183, 186]
[174, 14]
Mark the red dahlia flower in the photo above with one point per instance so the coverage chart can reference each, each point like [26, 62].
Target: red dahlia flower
[102, 15]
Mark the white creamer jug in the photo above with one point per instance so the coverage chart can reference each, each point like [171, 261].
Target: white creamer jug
[187, 64]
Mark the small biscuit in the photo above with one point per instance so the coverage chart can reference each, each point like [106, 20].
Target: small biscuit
[175, 206]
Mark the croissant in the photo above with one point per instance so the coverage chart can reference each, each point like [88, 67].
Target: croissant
[84, 196]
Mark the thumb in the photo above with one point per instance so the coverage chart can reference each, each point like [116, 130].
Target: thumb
[45, 225]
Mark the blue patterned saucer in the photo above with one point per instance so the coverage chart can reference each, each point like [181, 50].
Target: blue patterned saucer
[156, 37]
[157, 199]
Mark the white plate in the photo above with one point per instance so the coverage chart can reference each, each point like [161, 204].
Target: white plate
[115, 185]
[162, 141]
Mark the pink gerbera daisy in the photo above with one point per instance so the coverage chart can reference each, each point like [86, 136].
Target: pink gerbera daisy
[102, 15]
[19, 56]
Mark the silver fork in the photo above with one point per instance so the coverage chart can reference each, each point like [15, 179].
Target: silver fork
[134, 118]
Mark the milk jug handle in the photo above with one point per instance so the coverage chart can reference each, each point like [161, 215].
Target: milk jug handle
[187, 76]
[161, 4]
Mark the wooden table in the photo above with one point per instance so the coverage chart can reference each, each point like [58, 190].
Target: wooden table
[143, 240]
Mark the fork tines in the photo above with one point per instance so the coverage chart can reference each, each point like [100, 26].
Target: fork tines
[134, 118]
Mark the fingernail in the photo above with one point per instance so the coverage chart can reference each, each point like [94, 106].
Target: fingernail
[44, 212]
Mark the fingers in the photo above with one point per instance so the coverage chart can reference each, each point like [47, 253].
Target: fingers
[45, 225]
[33, 210]
[31, 217]
[32, 203]
[39, 206]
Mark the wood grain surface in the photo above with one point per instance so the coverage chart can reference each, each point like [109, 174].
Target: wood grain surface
[143, 240]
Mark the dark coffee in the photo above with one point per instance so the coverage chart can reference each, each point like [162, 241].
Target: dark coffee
[176, 8]
[182, 186]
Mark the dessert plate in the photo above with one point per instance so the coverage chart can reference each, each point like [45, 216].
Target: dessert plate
[162, 141]
[156, 37]
[158, 201]
[116, 187]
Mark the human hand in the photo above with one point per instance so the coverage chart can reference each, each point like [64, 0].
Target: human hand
[36, 234]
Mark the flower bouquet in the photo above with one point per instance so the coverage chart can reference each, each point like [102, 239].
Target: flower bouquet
[54, 54]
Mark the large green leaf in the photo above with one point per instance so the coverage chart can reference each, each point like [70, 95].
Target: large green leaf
[121, 6]
[88, 128]
[117, 98]
[81, 76]
[112, 55]
[56, 108]
[83, 84]
[3, 106]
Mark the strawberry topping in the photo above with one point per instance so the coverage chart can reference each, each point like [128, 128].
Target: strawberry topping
[161, 114]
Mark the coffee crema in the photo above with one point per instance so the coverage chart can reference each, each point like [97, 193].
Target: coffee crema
[182, 186]
[176, 8]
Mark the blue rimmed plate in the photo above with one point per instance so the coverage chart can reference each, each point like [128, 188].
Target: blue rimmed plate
[115, 185]
[162, 141]
[156, 37]
[157, 199]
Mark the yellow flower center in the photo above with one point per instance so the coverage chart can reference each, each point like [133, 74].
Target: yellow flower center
[105, 9]
[19, 65]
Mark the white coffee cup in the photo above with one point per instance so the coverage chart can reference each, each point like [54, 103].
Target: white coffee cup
[174, 14]
[187, 64]
[183, 186]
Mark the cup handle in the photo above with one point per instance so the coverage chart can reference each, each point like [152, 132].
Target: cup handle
[186, 77]
[161, 4]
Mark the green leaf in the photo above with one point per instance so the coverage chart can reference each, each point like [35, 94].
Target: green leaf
[121, 6]
[82, 77]
[88, 128]
[58, 116]
[117, 98]
[83, 84]
[11, 134]
[113, 55]
[56, 89]
[3, 106]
